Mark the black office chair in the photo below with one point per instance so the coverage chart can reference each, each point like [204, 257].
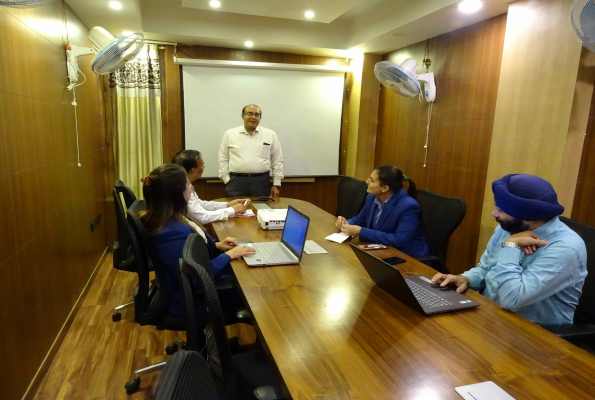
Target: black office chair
[127, 193]
[244, 374]
[196, 249]
[582, 332]
[150, 309]
[441, 216]
[186, 376]
[351, 196]
[124, 259]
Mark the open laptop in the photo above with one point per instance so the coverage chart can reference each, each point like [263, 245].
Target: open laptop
[289, 250]
[417, 291]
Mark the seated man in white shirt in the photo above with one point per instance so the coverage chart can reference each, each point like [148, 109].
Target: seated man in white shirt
[247, 156]
[202, 211]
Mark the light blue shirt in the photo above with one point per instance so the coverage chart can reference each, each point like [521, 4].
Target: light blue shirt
[378, 211]
[543, 287]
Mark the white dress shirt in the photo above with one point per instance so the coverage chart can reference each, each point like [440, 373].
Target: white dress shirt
[243, 153]
[208, 211]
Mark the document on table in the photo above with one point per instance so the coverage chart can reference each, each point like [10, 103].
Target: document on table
[483, 391]
[311, 247]
[247, 214]
[337, 237]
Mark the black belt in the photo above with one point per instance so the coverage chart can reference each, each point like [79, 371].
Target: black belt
[249, 175]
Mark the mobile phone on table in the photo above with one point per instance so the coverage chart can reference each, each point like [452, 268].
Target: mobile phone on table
[372, 246]
[393, 260]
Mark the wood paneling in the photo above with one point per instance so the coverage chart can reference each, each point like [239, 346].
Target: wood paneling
[322, 192]
[47, 251]
[466, 65]
[534, 127]
[333, 334]
[584, 198]
[362, 116]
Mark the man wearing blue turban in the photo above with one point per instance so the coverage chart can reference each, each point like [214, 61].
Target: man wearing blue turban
[534, 265]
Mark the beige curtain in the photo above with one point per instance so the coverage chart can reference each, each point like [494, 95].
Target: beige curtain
[135, 93]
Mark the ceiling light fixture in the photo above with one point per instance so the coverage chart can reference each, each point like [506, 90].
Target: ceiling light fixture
[248, 43]
[215, 4]
[470, 6]
[309, 14]
[127, 33]
[116, 5]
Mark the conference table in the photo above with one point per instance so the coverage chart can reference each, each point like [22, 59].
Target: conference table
[333, 334]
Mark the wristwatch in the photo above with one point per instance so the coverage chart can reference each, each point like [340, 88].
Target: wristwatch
[510, 244]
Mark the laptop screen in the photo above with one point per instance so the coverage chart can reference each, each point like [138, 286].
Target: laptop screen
[294, 232]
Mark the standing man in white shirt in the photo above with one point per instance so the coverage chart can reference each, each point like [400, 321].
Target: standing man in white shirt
[202, 211]
[247, 155]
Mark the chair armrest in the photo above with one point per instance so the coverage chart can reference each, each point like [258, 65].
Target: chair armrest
[571, 331]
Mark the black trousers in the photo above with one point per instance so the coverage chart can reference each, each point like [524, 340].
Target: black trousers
[248, 186]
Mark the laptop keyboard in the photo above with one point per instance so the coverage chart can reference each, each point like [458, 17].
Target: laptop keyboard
[425, 297]
[271, 252]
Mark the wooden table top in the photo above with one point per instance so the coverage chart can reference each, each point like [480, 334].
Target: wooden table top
[333, 334]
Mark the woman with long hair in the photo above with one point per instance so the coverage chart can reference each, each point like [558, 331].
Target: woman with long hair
[167, 190]
[391, 215]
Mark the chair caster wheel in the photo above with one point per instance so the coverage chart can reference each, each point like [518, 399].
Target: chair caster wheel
[132, 385]
[171, 349]
[116, 317]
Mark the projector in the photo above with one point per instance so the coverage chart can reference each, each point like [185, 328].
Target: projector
[270, 219]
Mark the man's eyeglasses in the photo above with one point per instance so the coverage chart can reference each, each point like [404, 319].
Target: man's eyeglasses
[251, 114]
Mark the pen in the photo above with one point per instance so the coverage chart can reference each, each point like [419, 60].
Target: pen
[246, 202]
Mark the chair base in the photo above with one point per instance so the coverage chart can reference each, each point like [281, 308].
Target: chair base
[134, 384]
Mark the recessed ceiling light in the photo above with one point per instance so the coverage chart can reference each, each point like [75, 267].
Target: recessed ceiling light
[309, 14]
[248, 43]
[116, 5]
[215, 4]
[127, 33]
[470, 6]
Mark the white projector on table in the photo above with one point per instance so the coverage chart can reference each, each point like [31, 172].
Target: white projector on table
[272, 218]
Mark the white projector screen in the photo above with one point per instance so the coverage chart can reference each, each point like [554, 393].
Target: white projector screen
[303, 107]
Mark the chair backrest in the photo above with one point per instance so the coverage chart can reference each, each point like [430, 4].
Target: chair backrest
[128, 194]
[585, 312]
[123, 257]
[441, 216]
[151, 309]
[191, 270]
[351, 196]
[186, 376]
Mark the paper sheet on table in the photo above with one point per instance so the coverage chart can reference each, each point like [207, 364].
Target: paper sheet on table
[247, 214]
[337, 237]
[483, 391]
[311, 247]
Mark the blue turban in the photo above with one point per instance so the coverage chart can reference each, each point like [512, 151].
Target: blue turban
[526, 197]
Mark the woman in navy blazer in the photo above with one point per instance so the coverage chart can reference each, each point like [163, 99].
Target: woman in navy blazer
[167, 190]
[390, 215]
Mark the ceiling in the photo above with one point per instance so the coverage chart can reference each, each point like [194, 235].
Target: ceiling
[339, 28]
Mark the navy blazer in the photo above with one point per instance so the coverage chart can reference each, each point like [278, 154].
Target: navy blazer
[399, 225]
[169, 246]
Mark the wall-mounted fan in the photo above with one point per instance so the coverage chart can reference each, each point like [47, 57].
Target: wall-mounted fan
[582, 19]
[403, 80]
[110, 53]
[25, 3]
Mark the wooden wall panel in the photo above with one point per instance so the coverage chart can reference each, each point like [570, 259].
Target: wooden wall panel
[466, 65]
[584, 198]
[322, 192]
[534, 126]
[47, 251]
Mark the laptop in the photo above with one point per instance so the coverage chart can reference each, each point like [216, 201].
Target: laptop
[289, 250]
[417, 291]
